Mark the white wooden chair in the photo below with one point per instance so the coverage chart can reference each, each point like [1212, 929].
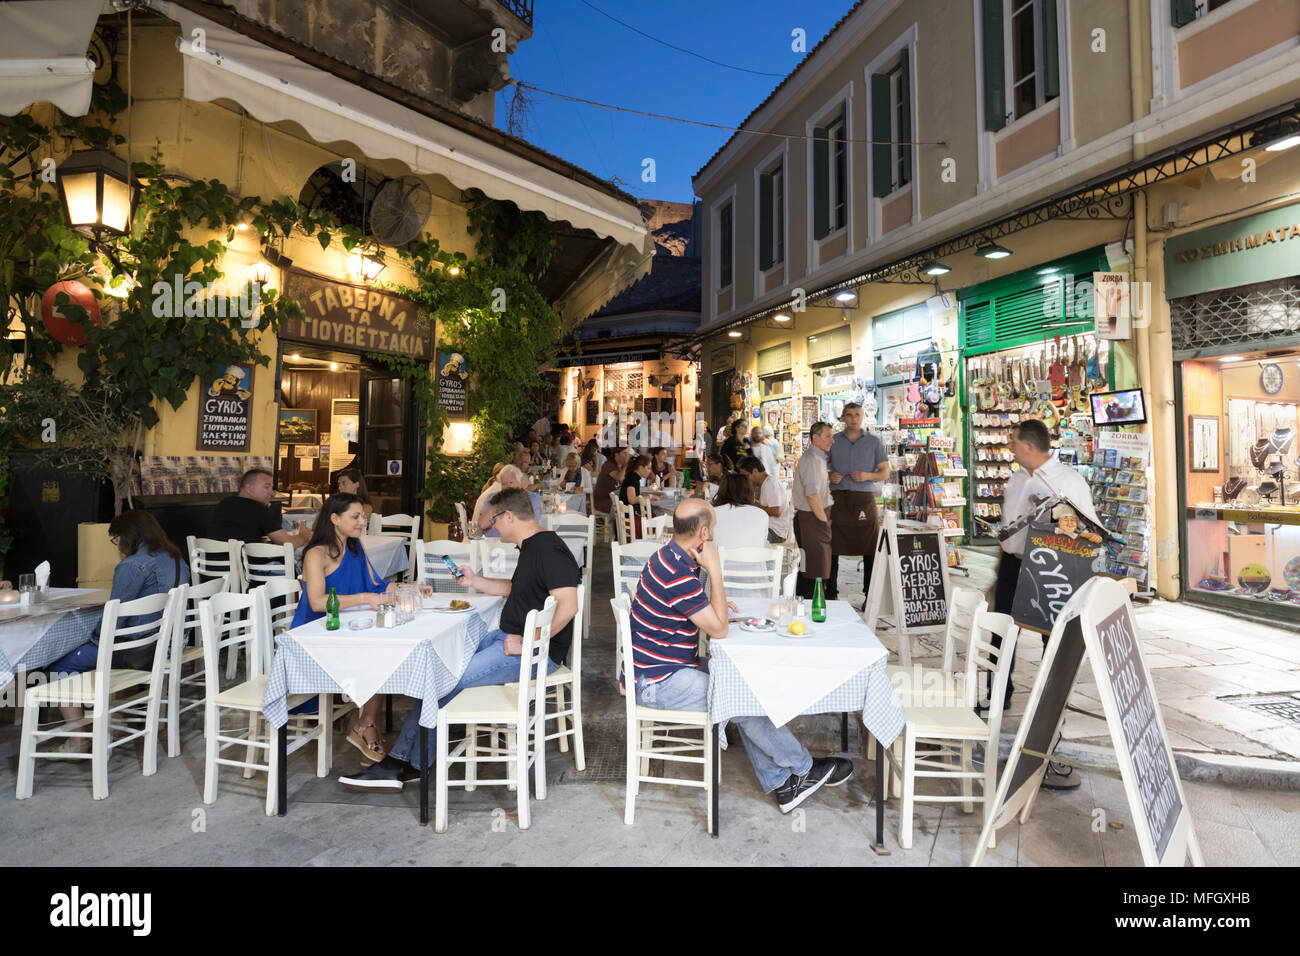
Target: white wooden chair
[579, 529]
[956, 729]
[658, 734]
[568, 717]
[186, 648]
[210, 558]
[945, 685]
[260, 562]
[652, 528]
[432, 570]
[95, 690]
[516, 710]
[602, 518]
[496, 558]
[399, 526]
[229, 620]
[463, 517]
[751, 572]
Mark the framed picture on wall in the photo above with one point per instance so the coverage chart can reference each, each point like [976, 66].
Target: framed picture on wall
[1203, 443]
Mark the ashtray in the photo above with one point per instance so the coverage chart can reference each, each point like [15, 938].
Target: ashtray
[758, 624]
[361, 623]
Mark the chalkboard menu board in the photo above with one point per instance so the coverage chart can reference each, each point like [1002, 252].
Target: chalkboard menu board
[651, 406]
[920, 568]
[226, 412]
[593, 412]
[1055, 565]
[1137, 715]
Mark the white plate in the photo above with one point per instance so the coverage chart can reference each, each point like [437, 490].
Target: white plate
[767, 626]
[445, 609]
[785, 632]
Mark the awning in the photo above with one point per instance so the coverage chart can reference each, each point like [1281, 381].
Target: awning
[43, 54]
[274, 86]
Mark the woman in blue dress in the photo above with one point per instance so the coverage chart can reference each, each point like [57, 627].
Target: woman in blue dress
[334, 558]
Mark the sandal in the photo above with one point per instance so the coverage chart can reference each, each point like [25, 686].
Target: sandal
[372, 751]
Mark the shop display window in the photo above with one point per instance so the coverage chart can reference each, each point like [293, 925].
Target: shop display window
[1241, 477]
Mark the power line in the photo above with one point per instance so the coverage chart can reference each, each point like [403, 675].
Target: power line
[718, 126]
[673, 46]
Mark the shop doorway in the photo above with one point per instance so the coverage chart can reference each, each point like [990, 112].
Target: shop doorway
[339, 410]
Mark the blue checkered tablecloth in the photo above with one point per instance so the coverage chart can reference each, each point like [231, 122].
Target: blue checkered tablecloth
[422, 674]
[869, 692]
[66, 632]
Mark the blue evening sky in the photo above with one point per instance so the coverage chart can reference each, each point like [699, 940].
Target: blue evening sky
[576, 51]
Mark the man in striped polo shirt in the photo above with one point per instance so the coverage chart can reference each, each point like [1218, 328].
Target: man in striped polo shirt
[668, 613]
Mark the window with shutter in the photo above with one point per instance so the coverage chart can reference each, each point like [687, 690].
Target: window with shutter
[774, 360]
[995, 95]
[832, 347]
[881, 136]
[771, 218]
[1032, 62]
[724, 247]
[830, 174]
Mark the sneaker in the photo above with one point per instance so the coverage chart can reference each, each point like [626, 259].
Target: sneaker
[842, 773]
[797, 788]
[1060, 776]
[390, 775]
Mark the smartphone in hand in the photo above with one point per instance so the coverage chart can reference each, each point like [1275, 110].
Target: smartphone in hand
[451, 566]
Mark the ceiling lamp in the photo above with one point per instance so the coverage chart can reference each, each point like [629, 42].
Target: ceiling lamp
[991, 250]
[1276, 138]
[735, 333]
[846, 297]
[935, 268]
[97, 194]
[781, 317]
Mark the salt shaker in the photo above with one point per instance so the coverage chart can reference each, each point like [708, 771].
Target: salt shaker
[390, 615]
[379, 616]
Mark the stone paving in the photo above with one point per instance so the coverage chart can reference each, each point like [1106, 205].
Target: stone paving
[160, 820]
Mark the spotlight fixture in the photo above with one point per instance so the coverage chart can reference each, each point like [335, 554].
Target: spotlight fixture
[334, 366]
[1232, 358]
[734, 333]
[991, 250]
[935, 268]
[781, 317]
[846, 297]
[1278, 137]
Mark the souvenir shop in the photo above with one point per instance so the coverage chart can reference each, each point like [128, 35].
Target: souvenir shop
[1234, 298]
[1031, 350]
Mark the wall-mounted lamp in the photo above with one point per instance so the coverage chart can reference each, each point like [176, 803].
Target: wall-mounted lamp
[991, 250]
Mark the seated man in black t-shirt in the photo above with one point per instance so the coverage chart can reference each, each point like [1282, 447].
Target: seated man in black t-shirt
[546, 568]
[248, 517]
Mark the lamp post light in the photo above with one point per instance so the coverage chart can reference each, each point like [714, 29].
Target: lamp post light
[98, 193]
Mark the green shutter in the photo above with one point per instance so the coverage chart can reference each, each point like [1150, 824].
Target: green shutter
[765, 221]
[995, 92]
[774, 361]
[881, 180]
[821, 183]
[830, 347]
[1051, 62]
[1184, 11]
[905, 91]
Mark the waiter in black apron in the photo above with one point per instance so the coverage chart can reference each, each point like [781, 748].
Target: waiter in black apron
[858, 463]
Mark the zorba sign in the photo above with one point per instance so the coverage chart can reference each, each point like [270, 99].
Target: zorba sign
[353, 317]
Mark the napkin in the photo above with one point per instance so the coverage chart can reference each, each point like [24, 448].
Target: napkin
[42, 576]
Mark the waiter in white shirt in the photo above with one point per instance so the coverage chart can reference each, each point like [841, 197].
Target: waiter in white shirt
[1040, 476]
[811, 498]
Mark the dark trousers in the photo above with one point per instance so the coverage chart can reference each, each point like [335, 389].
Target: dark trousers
[804, 587]
[1004, 598]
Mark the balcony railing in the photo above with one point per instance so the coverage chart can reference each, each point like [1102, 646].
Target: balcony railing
[523, 9]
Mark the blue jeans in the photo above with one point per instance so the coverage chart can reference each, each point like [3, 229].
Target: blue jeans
[489, 665]
[79, 660]
[773, 751]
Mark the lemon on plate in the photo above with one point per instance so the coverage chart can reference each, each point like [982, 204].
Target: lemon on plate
[796, 627]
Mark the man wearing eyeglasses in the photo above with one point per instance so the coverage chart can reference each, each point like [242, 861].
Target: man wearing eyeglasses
[546, 568]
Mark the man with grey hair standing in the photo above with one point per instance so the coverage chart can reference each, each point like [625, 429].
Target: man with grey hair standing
[858, 463]
[810, 496]
[669, 610]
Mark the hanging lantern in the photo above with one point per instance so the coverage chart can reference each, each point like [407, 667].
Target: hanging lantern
[97, 193]
[59, 325]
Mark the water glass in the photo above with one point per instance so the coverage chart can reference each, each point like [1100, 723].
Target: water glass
[27, 582]
[407, 601]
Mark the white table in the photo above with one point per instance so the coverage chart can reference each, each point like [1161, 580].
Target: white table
[293, 520]
[424, 658]
[40, 635]
[836, 667]
[388, 553]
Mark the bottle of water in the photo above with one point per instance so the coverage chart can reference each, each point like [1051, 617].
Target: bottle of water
[332, 611]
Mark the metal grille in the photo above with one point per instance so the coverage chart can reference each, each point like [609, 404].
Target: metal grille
[1285, 706]
[1228, 316]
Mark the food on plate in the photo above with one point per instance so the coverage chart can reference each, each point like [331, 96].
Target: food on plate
[458, 605]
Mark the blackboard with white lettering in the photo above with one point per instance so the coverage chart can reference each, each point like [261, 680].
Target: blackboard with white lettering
[1055, 565]
[226, 411]
[1137, 716]
[920, 570]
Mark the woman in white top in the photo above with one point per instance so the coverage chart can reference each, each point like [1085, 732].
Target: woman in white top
[573, 473]
[740, 523]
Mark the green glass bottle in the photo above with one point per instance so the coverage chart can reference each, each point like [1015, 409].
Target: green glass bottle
[332, 611]
[686, 479]
[819, 602]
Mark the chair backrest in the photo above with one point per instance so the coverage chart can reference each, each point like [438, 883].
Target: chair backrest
[575, 649]
[116, 635]
[261, 562]
[398, 526]
[210, 558]
[281, 605]
[186, 627]
[622, 606]
[982, 657]
[962, 608]
[753, 572]
[433, 571]
[623, 520]
[234, 620]
[463, 517]
[496, 558]
[532, 663]
[652, 528]
[627, 561]
[579, 528]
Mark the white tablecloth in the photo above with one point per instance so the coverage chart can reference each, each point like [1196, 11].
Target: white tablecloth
[838, 666]
[387, 553]
[43, 633]
[291, 521]
[423, 659]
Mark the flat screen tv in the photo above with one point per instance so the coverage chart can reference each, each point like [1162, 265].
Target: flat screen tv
[1124, 407]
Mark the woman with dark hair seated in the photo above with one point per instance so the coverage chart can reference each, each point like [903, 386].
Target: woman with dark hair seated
[352, 482]
[334, 558]
[739, 522]
[662, 467]
[150, 565]
[631, 491]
